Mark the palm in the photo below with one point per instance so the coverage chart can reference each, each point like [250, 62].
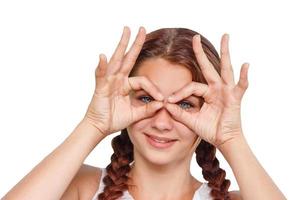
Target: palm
[215, 120]
[122, 113]
[113, 106]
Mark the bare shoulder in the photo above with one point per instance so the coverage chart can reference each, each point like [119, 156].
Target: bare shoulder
[88, 179]
[84, 184]
[235, 195]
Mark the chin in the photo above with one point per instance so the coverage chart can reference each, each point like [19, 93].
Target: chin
[158, 158]
[161, 156]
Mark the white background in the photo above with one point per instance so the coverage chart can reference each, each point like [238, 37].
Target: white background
[49, 51]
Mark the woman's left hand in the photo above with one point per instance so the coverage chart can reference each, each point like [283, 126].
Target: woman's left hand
[219, 118]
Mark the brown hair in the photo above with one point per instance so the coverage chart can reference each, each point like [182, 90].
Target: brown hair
[175, 46]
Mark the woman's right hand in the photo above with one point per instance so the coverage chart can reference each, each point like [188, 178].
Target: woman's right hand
[111, 109]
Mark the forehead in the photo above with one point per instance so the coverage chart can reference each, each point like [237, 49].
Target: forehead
[168, 77]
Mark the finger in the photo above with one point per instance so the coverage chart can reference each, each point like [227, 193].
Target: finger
[117, 57]
[134, 51]
[143, 83]
[242, 85]
[102, 66]
[147, 110]
[181, 115]
[226, 67]
[208, 70]
[193, 88]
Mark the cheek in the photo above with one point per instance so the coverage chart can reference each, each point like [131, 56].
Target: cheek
[185, 132]
[137, 128]
[138, 125]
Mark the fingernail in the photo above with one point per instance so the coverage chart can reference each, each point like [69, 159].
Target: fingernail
[158, 105]
[101, 57]
[161, 97]
[170, 98]
[248, 64]
[227, 36]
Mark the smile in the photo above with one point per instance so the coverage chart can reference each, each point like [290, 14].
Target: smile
[159, 143]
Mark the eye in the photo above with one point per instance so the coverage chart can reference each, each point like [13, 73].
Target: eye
[188, 104]
[185, 104]
[142, 98]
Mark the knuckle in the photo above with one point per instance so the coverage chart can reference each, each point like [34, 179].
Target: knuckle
[142, 78]
[138, 43]
[246, 84]
[145, 80]
[110, 78]
[119, 76]
[196, 85]
[129, 57]
[123, 43]
[116, 59]
[224, 52]
[218, 86]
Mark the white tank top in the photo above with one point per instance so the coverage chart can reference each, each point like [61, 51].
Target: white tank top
[202, 193]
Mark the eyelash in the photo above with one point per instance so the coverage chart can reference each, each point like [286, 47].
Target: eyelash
[187, 102]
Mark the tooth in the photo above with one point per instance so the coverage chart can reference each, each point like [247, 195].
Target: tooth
[160, 141]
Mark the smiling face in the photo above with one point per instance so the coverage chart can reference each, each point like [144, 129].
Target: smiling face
[168, 78]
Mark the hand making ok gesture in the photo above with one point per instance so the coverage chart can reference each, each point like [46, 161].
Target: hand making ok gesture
[110, 109]
[219, 118]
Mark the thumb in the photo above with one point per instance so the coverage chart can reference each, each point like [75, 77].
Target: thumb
[180, 115]
[147, 110]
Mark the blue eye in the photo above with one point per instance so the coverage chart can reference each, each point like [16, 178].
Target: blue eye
[144, 97]
[187, 103]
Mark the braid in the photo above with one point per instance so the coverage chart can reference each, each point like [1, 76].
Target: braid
[175, 46]
[206, 159]
[116, 178]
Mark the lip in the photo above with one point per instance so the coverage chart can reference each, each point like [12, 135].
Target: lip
[159, 145]
[159, 138]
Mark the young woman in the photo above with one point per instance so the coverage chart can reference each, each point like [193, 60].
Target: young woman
[170, 95]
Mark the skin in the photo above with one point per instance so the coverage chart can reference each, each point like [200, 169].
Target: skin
[165, 174]
[220, 125]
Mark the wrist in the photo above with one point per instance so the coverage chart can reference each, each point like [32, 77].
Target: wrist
[91, 128]
[234, 142]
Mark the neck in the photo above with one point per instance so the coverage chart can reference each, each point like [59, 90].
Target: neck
[169, 181]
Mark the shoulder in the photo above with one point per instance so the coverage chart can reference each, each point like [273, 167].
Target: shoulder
[235, 195]
[88, 180]
[88, 172]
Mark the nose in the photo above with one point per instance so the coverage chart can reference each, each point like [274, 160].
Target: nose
[162, 120]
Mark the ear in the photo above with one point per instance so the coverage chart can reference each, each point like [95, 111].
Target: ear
[235, 195]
